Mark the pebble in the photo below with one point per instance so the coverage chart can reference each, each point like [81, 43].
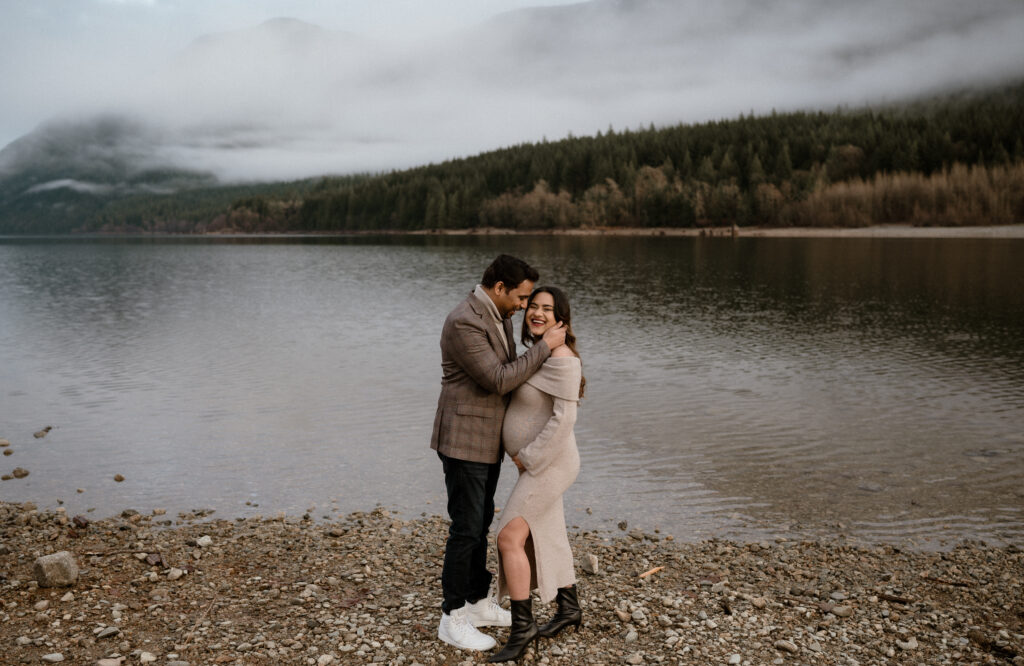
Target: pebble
[291, 591]
[19, 472]
[786, 646]
[909, 644]
[53, 658]
[589, 564]
[147, 657]
[119, 478]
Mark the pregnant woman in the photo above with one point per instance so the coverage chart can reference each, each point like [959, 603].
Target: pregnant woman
[533, 546]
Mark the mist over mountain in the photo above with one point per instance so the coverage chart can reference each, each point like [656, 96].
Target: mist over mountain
[288, 99]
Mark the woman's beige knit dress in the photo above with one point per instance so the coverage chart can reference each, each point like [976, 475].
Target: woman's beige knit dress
[538, 428]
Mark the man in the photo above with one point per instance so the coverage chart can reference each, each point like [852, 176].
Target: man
[479, 369]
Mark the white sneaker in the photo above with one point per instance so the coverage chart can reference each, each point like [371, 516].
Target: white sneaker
[456, 629]
[487, 613]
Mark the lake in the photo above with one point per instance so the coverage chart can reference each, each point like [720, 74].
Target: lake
[747, 388]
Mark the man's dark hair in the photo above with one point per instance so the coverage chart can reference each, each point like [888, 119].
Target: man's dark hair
[510, 271]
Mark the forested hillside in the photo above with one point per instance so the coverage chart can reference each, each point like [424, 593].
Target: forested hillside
[958, 160]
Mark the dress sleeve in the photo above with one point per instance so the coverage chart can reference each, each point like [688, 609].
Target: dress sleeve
[536, 455]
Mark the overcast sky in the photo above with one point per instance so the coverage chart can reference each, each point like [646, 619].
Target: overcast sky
[55, 53]
[395, 83]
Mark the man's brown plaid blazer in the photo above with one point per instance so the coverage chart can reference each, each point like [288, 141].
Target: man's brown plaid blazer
[478, 373]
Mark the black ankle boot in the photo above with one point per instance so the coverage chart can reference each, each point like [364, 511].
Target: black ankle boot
[567, 615]
[522, 632]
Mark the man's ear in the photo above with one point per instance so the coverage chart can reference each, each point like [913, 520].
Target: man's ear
[499, 288]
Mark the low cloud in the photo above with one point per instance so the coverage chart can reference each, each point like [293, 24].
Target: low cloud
[289, 99]
[70, 184]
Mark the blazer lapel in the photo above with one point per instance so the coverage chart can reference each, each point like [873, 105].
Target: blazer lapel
[507, 323]
[481, 311]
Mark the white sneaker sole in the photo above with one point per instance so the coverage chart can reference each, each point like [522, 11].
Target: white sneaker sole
[496, 623]
[443, 635]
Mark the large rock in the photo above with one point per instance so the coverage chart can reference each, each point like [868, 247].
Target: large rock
[56, 570]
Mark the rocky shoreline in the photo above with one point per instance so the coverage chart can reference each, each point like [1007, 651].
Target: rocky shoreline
[364, 589]
[1006, 231]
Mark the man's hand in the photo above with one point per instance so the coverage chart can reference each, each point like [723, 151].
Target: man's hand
[519, 465]
[555, 336]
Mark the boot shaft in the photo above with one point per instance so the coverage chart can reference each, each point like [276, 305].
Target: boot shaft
[568, 600]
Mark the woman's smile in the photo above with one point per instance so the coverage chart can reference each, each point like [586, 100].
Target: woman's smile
[540, 316]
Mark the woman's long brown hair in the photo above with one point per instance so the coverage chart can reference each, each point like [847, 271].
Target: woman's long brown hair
[562, 314]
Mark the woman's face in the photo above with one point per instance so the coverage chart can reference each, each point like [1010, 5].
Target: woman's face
[540, 314]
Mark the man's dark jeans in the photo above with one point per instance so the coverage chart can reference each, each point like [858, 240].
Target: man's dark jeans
[471, 486]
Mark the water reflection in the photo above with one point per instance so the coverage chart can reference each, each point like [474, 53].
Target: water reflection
[736, 388]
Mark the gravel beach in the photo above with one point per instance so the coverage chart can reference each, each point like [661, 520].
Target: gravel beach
[196, 589]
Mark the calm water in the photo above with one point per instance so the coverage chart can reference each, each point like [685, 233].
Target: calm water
[741, 388]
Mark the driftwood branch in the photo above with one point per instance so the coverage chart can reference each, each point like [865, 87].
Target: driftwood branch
[209, 606]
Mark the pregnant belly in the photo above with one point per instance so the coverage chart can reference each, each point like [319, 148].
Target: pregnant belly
[519, 430]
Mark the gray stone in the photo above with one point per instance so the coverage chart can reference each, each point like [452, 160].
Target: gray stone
[56, 570]
[589, 564]
[909, 644]
[107, 632]
[53, 657]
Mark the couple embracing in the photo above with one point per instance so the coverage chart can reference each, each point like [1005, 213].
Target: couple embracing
[494, 402]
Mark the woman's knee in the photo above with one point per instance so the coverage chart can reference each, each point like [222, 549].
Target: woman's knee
[513, 536]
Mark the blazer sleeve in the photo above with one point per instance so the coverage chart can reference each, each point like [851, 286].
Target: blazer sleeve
[536, 455]
[477, 357]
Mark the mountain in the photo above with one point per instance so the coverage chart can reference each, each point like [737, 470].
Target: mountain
[65, 171]
[287, 99]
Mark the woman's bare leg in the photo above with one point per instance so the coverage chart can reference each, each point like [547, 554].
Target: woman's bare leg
[512, 544]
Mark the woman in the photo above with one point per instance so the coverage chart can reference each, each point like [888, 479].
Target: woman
[533, 547]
